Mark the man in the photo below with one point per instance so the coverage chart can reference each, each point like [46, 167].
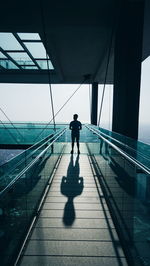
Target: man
[75, 127]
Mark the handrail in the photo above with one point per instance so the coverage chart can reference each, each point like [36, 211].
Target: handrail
[30, 164]
[46, 139]
[121, 143]
[9, 127]
[43, 144]
[129, 158]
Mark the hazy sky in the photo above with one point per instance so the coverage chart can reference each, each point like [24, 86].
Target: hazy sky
[144, 117]
[31, 102]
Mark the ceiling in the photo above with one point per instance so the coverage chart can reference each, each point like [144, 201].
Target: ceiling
[76, 34]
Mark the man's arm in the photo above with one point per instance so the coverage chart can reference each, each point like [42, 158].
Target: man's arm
[80, 126]
[70, 126]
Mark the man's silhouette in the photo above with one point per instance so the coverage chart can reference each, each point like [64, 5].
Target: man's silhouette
[75, 127]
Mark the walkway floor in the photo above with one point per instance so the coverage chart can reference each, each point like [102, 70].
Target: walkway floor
[74, 226]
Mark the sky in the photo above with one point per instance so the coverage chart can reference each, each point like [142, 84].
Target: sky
[144, 117]
[31, 102]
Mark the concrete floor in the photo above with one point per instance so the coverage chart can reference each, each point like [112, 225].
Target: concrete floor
[74, 226]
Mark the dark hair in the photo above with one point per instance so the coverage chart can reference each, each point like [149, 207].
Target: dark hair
[75, 116]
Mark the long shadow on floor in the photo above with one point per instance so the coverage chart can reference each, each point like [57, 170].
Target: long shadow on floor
[71, 187]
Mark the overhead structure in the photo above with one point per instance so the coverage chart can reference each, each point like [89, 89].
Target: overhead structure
[77, 36]
[70, 40]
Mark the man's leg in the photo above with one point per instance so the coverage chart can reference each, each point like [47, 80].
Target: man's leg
[73, 139]
[78, 145]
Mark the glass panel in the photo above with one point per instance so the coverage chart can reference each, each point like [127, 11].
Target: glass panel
[127, 188]
[8, 64]
[24, 63]
[29, 36]
[43, 64]
[2, 55]
[29, 132]
[29, 67]
[16, 164]
[19, 205]
[136, 149]
[20, 56]
[36, 49]
[9, 42]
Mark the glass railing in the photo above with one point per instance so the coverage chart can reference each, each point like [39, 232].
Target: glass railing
[25, 133]
[9, 170]
[20, 199]
[85, 135]
[126, 185]
[136, 149]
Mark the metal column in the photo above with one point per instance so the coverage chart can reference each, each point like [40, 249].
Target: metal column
[94, 103]
[127, 69]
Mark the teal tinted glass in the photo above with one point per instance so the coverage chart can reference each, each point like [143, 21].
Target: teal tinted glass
[24, 63]
[21, 58]
[9, 42]
[44, 64]
[2, 55]
[8, 64]
[29, 36]
[37, 49]
[21, 202]
[29, 67]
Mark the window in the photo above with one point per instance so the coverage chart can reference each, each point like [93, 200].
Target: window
[23, 51]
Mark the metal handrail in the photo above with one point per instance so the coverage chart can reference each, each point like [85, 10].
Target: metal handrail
[124, 154]
[121, 143]
[30, 164]
[47, 138]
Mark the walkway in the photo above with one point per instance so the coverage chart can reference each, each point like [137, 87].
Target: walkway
[74, 226]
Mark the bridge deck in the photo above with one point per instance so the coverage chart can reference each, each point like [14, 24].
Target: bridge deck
[74, 226]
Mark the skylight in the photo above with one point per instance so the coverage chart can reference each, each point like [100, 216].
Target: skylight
[2, 55]
[21, 58]
[36, 49]
[29, 67]
[23, 51]
[29, 36]
[43, 64]
[9, 42]
[7, 64]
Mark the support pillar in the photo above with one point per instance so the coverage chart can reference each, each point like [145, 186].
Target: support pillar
[127, 69]
[94, 103]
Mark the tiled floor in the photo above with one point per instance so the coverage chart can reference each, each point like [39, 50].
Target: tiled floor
[74, 226]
